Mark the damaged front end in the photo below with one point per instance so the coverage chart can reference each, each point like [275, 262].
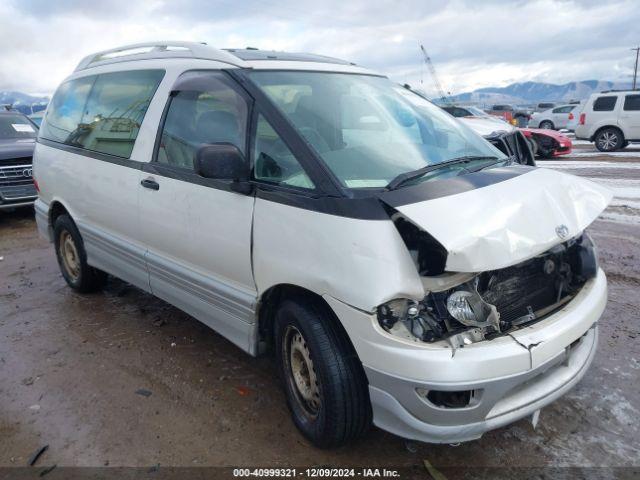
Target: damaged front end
[464, 308]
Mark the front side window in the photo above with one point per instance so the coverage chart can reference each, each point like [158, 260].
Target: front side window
[194, 118]
[368, 130]
[604, 104]
[14, 125]
[102, 113]
[632, 102]
[274, 162]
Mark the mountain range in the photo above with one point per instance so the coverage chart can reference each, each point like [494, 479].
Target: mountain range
[532, 92]
[23, 102]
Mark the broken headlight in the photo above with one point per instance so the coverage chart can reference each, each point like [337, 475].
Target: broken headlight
[438, 313]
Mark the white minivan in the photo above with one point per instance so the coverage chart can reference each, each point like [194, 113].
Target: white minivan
[403, 271]
[611, 119]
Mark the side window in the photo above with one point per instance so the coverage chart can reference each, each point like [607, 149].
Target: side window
[604, 104]
[116, 107]
[632, 102]
[217, 115]
[62, 122]
[274, 162]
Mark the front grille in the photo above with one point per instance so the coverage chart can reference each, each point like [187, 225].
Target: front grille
[533, 286]
[16, 179]
[521, 290]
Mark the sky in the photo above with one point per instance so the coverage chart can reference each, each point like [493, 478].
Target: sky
[472, 43]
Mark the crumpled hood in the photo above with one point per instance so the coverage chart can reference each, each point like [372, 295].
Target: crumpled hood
[510, 221]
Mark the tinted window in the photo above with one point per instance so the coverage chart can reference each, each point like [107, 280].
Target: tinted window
[458, 112]
[632, 102]
[64, 113]
[14, 125]
[604, 104]
[274, 162]
[218, 115]
[102, 113]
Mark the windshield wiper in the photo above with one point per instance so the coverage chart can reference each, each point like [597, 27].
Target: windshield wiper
[408, 176]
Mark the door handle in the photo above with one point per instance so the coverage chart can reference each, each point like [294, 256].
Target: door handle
[150, 183]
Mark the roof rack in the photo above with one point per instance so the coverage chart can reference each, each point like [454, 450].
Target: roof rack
[162, 49]
[620, 90]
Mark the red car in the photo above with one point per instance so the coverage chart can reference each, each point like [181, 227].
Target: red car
[547, 143]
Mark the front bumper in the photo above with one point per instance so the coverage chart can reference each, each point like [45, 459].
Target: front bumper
[502, 401]
[512, 376]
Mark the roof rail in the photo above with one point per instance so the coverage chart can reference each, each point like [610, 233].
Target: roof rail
[620, 90]
[161, 49]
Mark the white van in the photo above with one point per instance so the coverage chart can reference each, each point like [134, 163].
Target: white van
[610, 119]
[403, 270]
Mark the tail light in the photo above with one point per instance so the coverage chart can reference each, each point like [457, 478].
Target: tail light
[35, 184]
[571, 116]
[583, 118]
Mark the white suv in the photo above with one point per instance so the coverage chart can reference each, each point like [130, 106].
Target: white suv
[403, 270]
[610, 119]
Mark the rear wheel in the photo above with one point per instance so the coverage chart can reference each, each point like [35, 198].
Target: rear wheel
[609, 140]
[546, 124]
[325, 385]
[72, 257]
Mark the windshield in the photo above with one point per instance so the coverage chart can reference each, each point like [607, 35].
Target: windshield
[369, 130]
[14, 125]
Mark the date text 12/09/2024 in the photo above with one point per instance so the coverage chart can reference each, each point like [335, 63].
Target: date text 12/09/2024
[316, 472]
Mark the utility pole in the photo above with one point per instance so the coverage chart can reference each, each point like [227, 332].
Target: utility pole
[635, 70]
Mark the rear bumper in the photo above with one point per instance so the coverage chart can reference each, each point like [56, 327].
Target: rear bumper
[42, 220]
[16, 204]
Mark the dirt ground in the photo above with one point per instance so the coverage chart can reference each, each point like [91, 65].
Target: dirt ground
[120, 378]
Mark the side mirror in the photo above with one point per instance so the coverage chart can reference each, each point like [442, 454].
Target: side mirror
[223, 161]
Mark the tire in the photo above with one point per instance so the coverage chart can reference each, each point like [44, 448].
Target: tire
[325, 384]
[609, 140]
[72, 257]
[533, 145]
[546, 125]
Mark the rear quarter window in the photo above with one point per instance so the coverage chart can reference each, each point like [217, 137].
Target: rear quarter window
[101, 113]
[632, 102]
[604, 104]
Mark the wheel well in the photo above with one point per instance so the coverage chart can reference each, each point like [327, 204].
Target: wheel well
[271, 299]
[605, 127]
[55, 211]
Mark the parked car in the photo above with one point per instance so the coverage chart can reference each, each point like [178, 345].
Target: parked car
[547, 143]
[611, 119]
[552, 119]
[543, 106]
[17, 141]
[504, 136]
[515, 116]
[402, 269]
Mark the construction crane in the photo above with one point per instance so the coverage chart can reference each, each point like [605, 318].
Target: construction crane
[443, 96]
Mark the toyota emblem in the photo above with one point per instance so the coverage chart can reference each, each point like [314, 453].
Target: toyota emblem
[562, 231]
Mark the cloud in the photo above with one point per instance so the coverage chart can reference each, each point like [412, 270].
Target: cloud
[472, 44]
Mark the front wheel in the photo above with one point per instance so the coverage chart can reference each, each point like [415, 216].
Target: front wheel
[609, 140]
[325, 385]
[546, 125]
[72, 257]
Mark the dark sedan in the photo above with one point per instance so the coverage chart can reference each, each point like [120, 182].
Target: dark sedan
[17, 141]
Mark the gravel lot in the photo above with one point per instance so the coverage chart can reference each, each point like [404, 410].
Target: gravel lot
[120, 378]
